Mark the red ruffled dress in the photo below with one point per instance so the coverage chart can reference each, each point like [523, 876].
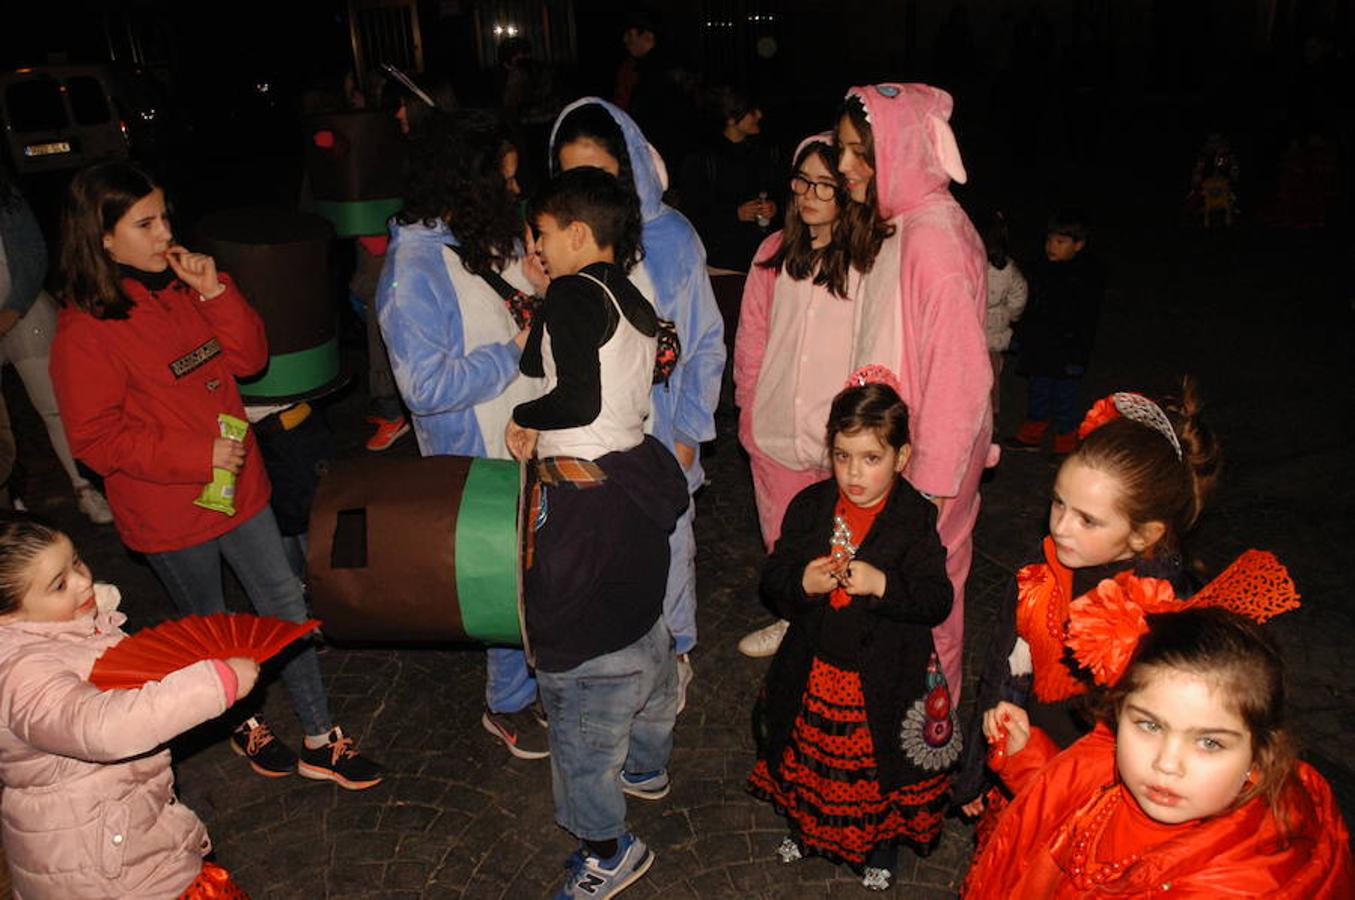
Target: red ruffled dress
[827, 785]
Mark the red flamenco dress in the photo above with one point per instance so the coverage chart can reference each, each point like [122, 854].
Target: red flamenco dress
[1074, 831]
[827, 784]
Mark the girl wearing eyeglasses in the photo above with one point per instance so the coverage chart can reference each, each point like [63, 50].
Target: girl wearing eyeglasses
[792, 350]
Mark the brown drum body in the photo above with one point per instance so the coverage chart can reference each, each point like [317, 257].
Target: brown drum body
[418, 550]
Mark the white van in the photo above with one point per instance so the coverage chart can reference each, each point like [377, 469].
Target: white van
[60, 117]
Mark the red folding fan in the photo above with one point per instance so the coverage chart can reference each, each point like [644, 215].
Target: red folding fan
[152, 653]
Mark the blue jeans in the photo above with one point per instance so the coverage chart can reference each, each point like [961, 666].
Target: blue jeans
[679, 599]
[509, 685]
[192, 576]
[1056, 399]
[610, 713]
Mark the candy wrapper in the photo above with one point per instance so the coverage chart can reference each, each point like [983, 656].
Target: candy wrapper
[219, 494]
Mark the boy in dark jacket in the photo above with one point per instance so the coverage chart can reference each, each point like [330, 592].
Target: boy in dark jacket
[1057, 334]
[606, 498]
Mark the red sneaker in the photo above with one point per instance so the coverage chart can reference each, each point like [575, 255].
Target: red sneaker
[1065, 443]
[1028, 437]
[388, 431]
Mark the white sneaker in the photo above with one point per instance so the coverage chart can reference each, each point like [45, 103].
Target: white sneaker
[764, 641]
[93, 505]
[685, 675]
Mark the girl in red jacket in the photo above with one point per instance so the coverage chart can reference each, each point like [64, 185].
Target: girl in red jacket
[89, 805]
[145, 358]
[1189, 787]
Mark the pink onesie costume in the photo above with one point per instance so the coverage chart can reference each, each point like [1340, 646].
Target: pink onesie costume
[792, 354]
[921, 313]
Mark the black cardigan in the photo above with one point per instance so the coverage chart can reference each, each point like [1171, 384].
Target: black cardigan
[886, 639]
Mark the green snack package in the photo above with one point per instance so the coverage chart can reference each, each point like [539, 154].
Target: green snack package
[219, 494]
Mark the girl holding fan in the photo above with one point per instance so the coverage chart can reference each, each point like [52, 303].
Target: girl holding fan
[89, 804]
[859, 572]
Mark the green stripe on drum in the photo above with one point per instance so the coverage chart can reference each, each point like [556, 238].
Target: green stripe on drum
[353, 218]
[487, 552]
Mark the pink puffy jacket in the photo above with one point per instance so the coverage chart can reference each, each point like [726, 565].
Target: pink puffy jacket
[89, 807]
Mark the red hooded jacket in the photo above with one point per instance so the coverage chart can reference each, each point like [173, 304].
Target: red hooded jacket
[1238, 854]
[140, 397]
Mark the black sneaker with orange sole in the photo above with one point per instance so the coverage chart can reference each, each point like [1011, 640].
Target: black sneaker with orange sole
[339, 761]
[267, 755]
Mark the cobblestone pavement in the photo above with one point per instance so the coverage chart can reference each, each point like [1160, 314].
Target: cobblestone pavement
[1262, 319]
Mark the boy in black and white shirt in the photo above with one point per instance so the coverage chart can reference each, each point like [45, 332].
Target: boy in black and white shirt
[608, 498]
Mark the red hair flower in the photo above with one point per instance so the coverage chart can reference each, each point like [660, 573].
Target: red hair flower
[1102, 411]
[1105, 624]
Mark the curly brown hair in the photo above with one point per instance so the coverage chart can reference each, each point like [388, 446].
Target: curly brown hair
[456, 176]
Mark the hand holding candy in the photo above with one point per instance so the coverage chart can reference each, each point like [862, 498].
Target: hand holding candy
[1007, 728]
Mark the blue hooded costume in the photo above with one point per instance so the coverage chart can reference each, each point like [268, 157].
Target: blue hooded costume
[673, 277]
[450, 338]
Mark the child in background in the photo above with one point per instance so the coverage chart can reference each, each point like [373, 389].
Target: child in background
[1188, 787]
[854, 724]
[793, 347]
[1007, 292]
[89, 807]
[1122, 503]
[146, 354]
[1057, 333]
[607, 499]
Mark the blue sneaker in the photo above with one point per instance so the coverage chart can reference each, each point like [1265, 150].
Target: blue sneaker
[646, 785]
[594, 879]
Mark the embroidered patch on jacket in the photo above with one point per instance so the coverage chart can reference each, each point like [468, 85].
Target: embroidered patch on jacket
[194, 359]
[929, 735]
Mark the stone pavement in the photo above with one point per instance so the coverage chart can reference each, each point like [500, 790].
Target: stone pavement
[1264, 319]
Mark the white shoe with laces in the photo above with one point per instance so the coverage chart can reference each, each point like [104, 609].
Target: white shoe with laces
[764, 641]
[93, 505]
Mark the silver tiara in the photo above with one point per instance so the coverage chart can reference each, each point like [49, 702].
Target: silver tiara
[1138, 408]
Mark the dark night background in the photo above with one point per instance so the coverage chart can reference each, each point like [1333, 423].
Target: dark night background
[1101, 104]
[1138, 83]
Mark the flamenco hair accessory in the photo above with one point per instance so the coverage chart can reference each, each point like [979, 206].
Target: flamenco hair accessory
[1106, 624]
[874, 374]
[1132, 406]
[152, 653]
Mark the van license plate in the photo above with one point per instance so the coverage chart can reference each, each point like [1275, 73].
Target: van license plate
[50, 149]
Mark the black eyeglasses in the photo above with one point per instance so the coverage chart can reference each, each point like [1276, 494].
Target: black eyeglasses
[824, 190]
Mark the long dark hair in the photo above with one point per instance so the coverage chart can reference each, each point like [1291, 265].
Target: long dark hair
[866, 228]
[797, 254]
[98, 197]
[593, 122]
[456, 176]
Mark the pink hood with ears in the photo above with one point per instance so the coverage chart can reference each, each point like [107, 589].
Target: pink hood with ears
[915, 150]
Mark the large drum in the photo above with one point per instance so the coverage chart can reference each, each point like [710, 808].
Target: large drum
[418, 550]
